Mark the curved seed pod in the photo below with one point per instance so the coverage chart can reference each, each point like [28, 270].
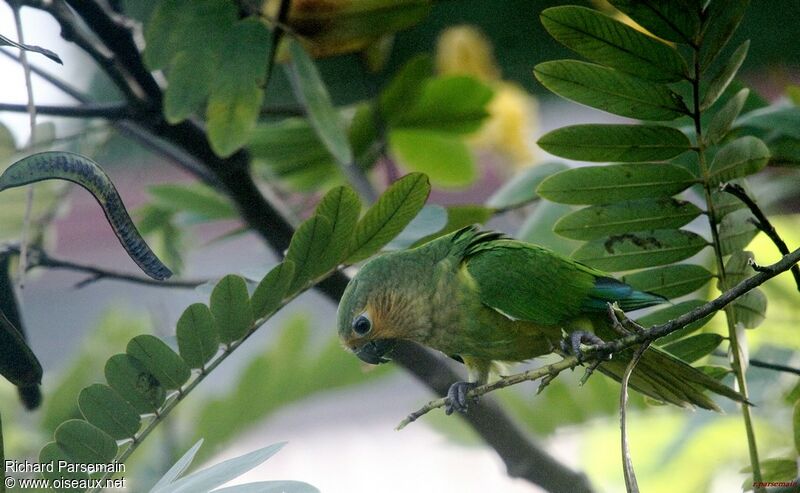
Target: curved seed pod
[89, 175]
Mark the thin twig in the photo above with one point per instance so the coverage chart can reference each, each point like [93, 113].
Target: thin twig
[40, 258]
[765, 364]
[761, 222]
[627, 464]
[109, 111]
[617, 345]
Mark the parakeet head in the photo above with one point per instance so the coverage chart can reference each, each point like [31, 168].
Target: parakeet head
[382, 304]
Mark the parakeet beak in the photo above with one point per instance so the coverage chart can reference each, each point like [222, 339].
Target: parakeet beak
[374, 351]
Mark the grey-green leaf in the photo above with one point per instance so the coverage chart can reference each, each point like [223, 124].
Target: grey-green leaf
[178, 468]
[230, 305]
[750, 309]
[311, 91]
[521, 188]
[85, 443]
[626, 143]
[197, 334]
[105, 409]
[609, 90]
[737, 269]
[693, 347]
[308, 246]
[134, 383]
[88, 174]
[272, 289]
[608, 42]
[395, 208]
[637, 250]
[670, 281]
[736, 231]
[629, 216]
[170, 370]
[674, 20]
[52, 453]
[726, 74]
[342, 207]
[615, 183]
[742, 157]
[723, 119]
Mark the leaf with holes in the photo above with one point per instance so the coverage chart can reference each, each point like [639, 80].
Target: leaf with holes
[198, 336]
[609, 90]
[637, 250]
[134, 383]
[85, 443]
[670, 281]
[629, 216]
[101, 406]
[606, 41]
[230, 305]
[272, 289]
[626, 143]
[160, 360]
[390, 214]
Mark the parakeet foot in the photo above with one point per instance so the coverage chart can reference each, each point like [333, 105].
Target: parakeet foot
[578, 337]
[457, 399]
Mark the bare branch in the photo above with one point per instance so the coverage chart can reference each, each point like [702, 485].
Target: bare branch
[109, 111]
[631, 484]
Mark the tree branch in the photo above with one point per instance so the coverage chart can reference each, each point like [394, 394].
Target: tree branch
[109, 111]
[645, 336]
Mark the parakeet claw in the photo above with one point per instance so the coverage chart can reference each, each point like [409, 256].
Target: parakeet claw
[457, 399]
[578, 337]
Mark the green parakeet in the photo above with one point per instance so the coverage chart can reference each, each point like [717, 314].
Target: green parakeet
[486, 299]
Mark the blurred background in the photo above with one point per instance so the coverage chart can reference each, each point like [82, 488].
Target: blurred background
[291, 381]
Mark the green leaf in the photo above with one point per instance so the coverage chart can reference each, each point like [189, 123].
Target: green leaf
[723, 119]
[742, 157]
[198, 336]
[341, 207]
[85, 443]
[670, 281]
[608, 42]
[796, 425]
[694, 347]
[454, 105]
[784, 120]
[609, 90]
[105, 409]
[4, 41]
[721, 81]
[237, 93]
[161, 361]
[190, 76]
[676, 20]
[392, 212]
[521, 188]
[406, 85]
[715, 372]
[627, 143]
[430, 220]
[134, 383]
[725, 203]
[89, 175]
[309, 244]
[737, 269]
[272, 289]
[774, 470]
[178, 468]
[722, 17]
[197, 199]
[736, 231]
[615, 183]
[750, 309]
[230, 305]
[598, 221]
[311, 91]
[671, 312]
[52, 453]
[292, 151]
[219, 474]
[637, 250]
[18, 364]
[445, 158]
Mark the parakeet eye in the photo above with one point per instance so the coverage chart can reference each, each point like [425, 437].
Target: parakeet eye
[362, 325]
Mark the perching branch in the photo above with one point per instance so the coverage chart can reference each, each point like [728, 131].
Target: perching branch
[645, 336]
[762, 223]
